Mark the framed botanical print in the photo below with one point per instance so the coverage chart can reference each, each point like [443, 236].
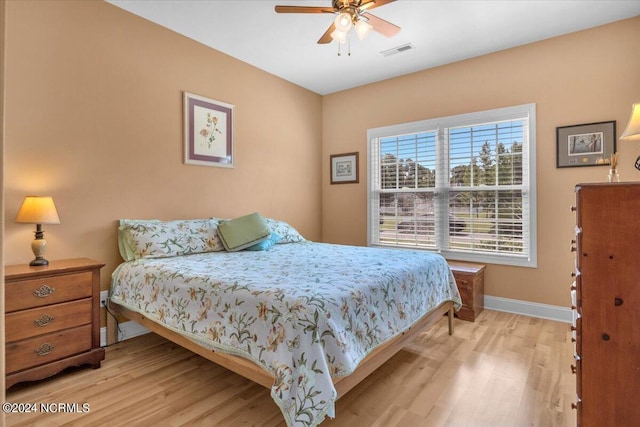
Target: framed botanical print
[208, 132]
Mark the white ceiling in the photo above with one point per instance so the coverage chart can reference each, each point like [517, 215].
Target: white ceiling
[441, 32]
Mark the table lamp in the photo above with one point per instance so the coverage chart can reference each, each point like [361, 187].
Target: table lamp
[632, 132]
[38, 210]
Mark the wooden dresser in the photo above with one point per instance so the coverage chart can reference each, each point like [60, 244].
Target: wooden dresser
[52, 318]
[470, 279]
[606, 304]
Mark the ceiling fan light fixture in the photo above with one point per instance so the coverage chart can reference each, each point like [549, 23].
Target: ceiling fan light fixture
[343, 22]
[339, 36]
[362, 29]
[347, 14]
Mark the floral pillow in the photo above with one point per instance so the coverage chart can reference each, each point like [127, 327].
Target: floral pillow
[157, 239]
[287, 233]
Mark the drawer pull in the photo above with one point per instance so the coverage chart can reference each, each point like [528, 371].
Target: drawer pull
[574, 369]
[606, 337]
[44, 349]
[574, 406]
[44, 291]
[618, 302]
[44, 320]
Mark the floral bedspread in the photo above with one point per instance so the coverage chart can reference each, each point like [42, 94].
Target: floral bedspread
[305, 312]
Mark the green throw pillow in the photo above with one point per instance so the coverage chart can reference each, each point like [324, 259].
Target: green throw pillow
[242, 232]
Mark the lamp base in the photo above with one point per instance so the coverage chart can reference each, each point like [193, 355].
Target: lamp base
[39, 261]
[39, 246]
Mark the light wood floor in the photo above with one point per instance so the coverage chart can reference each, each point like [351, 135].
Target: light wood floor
[502, 370]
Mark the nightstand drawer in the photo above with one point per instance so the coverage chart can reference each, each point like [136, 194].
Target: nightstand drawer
[37, 321]
[465, 288]
[47, 348]
[30, 293]
[470, 280]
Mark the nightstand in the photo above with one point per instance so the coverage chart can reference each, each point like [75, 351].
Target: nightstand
[470, 279]
[52, 318]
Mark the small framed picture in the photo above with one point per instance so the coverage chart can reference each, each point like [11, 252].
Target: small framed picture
[344, 168]
[208, 132]
[590, 144]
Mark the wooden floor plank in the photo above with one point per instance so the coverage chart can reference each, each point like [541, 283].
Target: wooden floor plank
[502, 370]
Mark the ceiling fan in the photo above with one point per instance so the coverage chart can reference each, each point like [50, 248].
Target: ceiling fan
[349, 13]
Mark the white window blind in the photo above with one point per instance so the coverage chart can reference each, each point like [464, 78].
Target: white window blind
[460, 185]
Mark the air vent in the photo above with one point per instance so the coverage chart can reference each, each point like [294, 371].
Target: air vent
[397, 49]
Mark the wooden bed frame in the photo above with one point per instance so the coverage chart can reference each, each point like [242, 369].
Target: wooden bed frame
[253, 372]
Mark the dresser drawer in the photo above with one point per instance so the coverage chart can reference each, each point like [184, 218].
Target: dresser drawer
[30, 293]
[37, 321]
[47, 348]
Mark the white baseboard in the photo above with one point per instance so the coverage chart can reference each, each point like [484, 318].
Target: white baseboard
[533, 309]
[128, 330]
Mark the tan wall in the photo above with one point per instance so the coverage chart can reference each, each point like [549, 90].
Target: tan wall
[94, 118]
[584, 77]
[3, 7]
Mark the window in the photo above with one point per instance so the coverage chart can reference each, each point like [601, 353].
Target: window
[462, 185]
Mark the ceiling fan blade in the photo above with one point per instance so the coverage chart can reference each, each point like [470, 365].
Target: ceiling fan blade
[326, 37]
[366, 5]
[303, 9]
[371, 4]
[380, 25]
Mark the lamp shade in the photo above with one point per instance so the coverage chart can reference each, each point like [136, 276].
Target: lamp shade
[632, 132]
[343, 22]
[362, 29]
[38, 210]
[339, 36]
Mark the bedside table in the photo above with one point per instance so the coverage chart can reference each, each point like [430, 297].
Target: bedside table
[470, 279]
[52, 318]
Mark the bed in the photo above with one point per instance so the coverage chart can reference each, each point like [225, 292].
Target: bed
[307, 320]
